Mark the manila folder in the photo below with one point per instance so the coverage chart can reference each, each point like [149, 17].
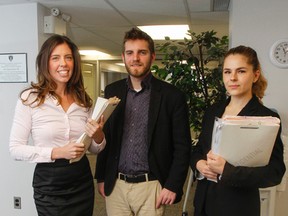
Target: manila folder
[245, 141]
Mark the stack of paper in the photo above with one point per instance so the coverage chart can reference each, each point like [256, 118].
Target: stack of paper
[245, 140]
[103, 107]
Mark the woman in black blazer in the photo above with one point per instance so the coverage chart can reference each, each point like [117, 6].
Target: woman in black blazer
[237, 190]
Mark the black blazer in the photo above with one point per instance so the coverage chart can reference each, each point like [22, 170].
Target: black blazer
[168, 137]
[237, 192]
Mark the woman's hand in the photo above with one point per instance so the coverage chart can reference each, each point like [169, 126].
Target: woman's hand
[69, 151]
[94, 129]
[215, 163]
[204, 169]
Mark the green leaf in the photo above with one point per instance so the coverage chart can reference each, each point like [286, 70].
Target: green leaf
[202, 85]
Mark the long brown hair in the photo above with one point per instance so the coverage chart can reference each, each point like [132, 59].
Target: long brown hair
[260, 85]
[45, 84]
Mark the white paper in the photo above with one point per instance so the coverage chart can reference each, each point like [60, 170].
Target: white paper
[100, 105]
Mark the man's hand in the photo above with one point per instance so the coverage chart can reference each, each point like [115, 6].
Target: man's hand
[166, 197]
[101, 189]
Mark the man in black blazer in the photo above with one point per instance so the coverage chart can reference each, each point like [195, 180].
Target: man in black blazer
[145, 162]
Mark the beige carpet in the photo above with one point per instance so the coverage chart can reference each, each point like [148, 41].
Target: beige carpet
[173, 210]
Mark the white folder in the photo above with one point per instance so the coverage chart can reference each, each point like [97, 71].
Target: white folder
[103, 107]
[245, 140]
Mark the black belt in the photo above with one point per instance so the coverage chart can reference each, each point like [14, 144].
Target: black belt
[136, 178]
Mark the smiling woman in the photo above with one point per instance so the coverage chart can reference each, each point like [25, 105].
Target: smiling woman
[55, 111]
[61, 66]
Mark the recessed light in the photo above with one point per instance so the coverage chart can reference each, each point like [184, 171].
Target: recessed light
[159, 32]
[95, 53]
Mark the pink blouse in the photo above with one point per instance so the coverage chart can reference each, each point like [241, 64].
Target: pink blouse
[50, 126]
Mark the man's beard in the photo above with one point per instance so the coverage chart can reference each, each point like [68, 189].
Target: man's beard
[137, 73]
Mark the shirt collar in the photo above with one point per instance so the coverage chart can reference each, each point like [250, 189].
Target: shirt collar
[146, 82]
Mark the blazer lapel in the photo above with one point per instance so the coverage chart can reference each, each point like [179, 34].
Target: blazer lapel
[251, 107]
[119, 113]
[154, 107]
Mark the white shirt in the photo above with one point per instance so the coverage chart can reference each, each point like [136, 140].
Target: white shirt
[50, 126]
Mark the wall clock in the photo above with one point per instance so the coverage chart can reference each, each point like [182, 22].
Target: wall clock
[279, 53]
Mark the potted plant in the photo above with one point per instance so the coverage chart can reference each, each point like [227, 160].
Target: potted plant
[194, 66]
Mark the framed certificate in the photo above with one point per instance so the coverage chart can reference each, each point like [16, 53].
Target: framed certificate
[13, 68]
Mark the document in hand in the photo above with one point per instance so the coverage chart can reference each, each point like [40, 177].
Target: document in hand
[245, 140]
[103, 107]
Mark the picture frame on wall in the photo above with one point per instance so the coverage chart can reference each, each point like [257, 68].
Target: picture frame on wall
[13, 68]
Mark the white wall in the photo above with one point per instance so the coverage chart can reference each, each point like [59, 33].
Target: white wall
[259, 23]
[21, 31]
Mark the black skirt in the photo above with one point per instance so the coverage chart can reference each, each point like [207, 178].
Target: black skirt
[62, 189]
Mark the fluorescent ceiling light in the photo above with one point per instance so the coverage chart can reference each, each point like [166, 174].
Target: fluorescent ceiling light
[159, 32]
[120, 64]
[93, 53]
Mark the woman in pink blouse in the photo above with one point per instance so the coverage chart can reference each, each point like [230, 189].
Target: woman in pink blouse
[55, 111]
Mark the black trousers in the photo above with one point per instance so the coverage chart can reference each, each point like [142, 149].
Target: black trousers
[62, 189]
